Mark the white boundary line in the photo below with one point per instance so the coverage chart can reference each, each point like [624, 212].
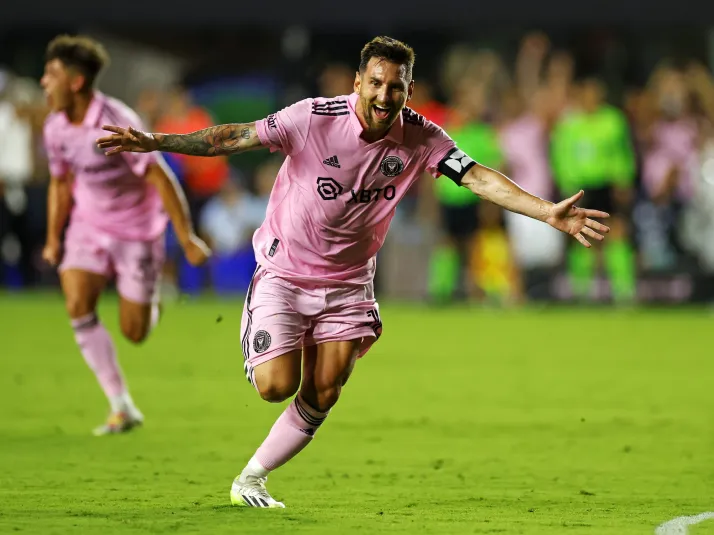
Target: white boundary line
[678, 526]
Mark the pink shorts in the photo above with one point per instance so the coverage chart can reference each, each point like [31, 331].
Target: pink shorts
[280, 316]
[136, 264]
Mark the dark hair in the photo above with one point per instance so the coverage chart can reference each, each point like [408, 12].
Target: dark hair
[388, 49]
[79, 52]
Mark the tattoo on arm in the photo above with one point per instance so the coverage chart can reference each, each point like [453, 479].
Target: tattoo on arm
[214, 141]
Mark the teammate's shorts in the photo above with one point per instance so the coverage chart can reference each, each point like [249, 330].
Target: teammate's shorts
[280, 316]
[136, 264]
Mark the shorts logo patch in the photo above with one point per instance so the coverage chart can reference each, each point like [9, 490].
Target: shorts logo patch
[261, 341]
[391, 166]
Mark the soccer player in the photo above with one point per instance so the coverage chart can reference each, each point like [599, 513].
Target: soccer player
[117, 217]
[310, 312]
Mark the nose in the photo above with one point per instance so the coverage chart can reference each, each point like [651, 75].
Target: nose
[383, 95]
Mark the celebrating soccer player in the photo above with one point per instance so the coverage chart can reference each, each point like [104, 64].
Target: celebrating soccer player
[117, 219]
[310, 312]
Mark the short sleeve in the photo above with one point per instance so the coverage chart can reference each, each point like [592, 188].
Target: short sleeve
[286, 130]
[58, 166]
[442, 157]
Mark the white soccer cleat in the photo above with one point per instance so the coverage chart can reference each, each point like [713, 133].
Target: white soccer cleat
[119, 422]
[250, 491]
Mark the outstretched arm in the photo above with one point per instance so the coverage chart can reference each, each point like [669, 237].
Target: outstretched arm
[214, 141]
[564, 216]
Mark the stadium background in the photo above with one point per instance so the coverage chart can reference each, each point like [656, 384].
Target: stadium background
[586, 422]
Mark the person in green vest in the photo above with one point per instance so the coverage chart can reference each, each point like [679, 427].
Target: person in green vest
[591, 150]
[458, 207]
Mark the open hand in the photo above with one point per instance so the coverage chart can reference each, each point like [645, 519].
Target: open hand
[577, 222]
[126, 140]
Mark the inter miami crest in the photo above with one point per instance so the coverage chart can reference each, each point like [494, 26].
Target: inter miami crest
[391, 166]
[261, 341]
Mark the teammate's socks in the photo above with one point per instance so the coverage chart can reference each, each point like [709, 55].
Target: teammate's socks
[98, 351]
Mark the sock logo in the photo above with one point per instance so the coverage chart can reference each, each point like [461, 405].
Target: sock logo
[261, 341]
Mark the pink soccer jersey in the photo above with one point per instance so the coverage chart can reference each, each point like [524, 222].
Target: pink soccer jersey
[335, 194]
[110, 193]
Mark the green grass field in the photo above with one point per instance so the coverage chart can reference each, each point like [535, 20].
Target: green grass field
[458, 421]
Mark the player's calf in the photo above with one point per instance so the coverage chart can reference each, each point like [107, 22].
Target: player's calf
[135, 320]
[326, 371]
[135, 332]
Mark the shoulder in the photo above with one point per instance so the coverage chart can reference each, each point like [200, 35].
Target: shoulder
[114, 107]
[420, 130]
[53, 122]
[328, 107]
[414, 119]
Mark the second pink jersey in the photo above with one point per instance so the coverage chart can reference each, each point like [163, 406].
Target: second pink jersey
[110, 193]
[335, 194]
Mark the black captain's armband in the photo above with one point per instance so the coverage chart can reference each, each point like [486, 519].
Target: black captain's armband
[455, 165]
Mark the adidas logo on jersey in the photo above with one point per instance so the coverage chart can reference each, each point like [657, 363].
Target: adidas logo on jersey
[332, 161]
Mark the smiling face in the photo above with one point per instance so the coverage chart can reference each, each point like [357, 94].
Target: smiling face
[384, 88]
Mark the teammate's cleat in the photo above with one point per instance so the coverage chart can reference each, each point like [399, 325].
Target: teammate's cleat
[250, 491]
[119, 422]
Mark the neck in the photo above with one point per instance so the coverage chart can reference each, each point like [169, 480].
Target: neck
[78, 109]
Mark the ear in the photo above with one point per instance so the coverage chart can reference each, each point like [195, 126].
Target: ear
[410, 90]
[77, 82]
[358, 82]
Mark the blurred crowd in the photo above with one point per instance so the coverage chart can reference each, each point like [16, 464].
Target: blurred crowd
[645, 156]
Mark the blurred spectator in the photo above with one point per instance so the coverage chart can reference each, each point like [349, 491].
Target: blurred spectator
[559, 84]
[524, 137]
[591, 150]
[336, 79]
[526, 116]
[458, 205]
[18, 100]
[493, 267]
[149, 107]
[671, 165]
[230, 218]
[202, 177]
[424, 102]
[228, 222]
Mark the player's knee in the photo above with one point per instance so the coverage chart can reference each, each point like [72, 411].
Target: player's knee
[134, 332]
[277, 389]
[77, 307]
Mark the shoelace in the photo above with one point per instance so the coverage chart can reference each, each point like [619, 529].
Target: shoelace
[255, 487]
